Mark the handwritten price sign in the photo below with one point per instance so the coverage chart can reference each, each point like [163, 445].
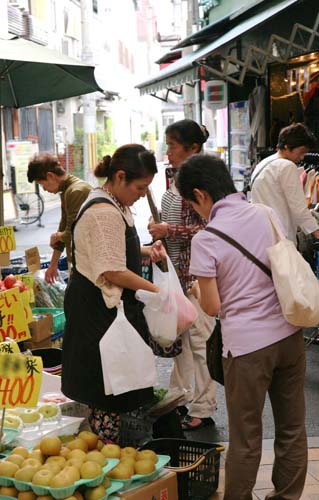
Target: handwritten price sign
[9, 348]
[13, 323]
[20, 380]
[7, 239]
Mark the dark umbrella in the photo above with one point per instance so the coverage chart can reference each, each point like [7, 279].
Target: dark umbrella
[32, 74]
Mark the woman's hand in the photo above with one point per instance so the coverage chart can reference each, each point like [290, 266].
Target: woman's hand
[194, 290]
[158, 231]
[158, 251]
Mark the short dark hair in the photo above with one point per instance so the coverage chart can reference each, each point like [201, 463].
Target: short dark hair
[295, 136]
[136, 161]
[206, 172]
[187, 132]
[41, 164]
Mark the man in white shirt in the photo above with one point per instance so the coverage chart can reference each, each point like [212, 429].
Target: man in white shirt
[276, 183]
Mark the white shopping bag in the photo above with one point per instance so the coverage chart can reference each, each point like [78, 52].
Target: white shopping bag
[128, 363]
[169, 312]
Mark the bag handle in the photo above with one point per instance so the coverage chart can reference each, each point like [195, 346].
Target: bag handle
[274, 224]
[243, 250]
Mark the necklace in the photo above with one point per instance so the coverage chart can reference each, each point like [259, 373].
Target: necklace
[116, 201]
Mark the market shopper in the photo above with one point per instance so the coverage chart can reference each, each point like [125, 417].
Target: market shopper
[275, 182]
[179, 223]
[46, 170]
[106, 269]
[262, 353]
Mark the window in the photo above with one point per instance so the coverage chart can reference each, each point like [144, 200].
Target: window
[46, 135]
[36, 124]
[28, 123]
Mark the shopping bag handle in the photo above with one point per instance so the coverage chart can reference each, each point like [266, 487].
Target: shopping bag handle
[157, 220]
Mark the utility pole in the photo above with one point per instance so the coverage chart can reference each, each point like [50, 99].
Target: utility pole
[89, 104]
[192, 102]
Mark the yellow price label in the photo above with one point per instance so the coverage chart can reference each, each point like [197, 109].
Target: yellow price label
[7, 239]
[13, 323]
[9, 348]
[20, 380]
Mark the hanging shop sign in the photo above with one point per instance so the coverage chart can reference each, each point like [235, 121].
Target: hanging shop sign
[215, 94]
[13, 322]
[20, 380]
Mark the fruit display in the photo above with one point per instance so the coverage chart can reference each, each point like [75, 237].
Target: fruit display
[82, 468]
[12, 281]
[49, 411]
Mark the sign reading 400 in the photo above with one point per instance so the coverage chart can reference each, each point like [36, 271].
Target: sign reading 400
[20, 380]
[7, 239]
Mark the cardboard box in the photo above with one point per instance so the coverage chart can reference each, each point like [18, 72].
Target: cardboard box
[163, 488]
[42, 327]
[44, 343]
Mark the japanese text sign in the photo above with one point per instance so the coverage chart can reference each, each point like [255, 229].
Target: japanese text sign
[9, 347]
[13, 321]
[20, 380]
[7, 239]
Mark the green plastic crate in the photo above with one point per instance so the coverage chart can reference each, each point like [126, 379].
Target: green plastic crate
[58, 316]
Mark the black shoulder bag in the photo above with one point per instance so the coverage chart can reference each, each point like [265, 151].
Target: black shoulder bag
[214, 345]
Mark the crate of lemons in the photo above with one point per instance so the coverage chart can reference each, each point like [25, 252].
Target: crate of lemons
[82, 469]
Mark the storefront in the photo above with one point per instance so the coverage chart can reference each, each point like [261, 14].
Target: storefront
[266, 56]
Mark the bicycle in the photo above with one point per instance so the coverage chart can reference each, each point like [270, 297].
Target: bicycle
[30, 207]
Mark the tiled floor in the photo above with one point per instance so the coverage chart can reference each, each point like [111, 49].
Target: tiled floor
[264, 484]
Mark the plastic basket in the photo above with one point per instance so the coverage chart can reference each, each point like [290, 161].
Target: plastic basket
[196, 464]
[58, 316]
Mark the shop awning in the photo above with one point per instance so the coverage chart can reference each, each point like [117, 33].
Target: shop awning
[214, 30]
[186, 70]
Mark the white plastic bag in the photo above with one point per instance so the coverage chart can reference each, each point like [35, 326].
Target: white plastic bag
[169, 312]
[128, 363]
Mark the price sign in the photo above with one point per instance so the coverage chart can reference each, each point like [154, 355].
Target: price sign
[13, 321]
[7, 239]
[20, 380]
[9, 348]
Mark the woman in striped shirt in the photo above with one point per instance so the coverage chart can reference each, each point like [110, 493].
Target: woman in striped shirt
[179, 224]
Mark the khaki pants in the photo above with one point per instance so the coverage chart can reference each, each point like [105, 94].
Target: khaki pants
[191, 364]
[279, 370]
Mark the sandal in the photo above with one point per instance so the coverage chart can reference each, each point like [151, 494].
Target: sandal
[193, 423]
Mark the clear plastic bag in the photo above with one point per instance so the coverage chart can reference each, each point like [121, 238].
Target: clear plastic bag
[169, 312]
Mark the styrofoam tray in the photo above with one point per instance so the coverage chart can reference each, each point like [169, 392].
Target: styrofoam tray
[59, 493]
[162, 460]
[30, 437]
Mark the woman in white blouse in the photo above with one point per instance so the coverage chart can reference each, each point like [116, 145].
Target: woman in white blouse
[107, 269]
[276, 183]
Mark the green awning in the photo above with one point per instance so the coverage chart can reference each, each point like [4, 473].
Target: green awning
[186, 69]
